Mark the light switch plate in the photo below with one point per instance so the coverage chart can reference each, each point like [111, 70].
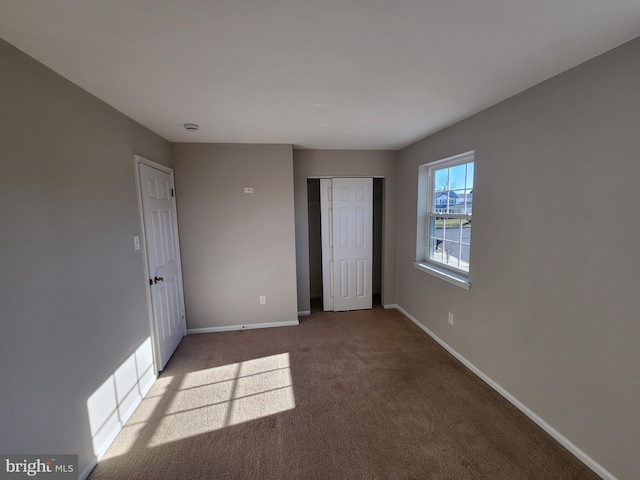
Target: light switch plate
[136, 242]
[248, 189]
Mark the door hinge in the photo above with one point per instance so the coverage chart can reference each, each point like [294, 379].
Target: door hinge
[151, 282]
[172, 192]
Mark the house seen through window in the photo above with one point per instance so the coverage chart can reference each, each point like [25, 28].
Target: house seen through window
[449, 212]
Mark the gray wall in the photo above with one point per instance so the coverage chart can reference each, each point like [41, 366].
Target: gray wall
[72, 287]
[356, 163]
[552, 315]
[236, 246]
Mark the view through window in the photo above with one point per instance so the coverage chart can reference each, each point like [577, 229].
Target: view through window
[449, 211]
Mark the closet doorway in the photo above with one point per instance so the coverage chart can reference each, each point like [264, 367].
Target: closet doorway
[350, 277]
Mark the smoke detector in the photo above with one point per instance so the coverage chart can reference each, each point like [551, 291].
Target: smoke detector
[191, 127]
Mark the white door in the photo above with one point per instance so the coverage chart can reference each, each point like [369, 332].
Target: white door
[351, 249]
[163, 260]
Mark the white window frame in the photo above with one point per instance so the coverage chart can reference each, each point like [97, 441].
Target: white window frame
[426, 210]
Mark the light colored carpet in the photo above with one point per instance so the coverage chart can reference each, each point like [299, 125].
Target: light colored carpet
[357, 395]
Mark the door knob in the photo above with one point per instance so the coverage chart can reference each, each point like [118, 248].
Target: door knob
[158, 279]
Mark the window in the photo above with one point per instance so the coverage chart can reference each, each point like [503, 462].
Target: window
[446, 204]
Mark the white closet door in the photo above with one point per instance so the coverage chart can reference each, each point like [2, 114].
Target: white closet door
[352, 243]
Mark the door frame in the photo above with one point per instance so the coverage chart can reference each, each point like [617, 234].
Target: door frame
[326, 235]
[153, 327]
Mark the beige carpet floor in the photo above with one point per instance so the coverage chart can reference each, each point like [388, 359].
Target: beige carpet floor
[357, 395]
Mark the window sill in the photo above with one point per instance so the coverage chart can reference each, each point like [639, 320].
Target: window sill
[443, 274]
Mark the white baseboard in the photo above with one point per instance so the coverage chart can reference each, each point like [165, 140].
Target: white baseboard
[250, 326]
[561, 439]
[88, 469]
[390, 306]
[114, 433]
[304, 313]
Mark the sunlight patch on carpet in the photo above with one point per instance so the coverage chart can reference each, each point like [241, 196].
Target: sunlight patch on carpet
[221, 397]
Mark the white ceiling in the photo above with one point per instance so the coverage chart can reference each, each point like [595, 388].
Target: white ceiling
[355, 74]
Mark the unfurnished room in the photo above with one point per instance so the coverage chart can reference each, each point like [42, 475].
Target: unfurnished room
[319, 239]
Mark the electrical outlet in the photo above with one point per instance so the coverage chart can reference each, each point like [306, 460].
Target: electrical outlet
[248, 189]
[450, 318]
[263, 300]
